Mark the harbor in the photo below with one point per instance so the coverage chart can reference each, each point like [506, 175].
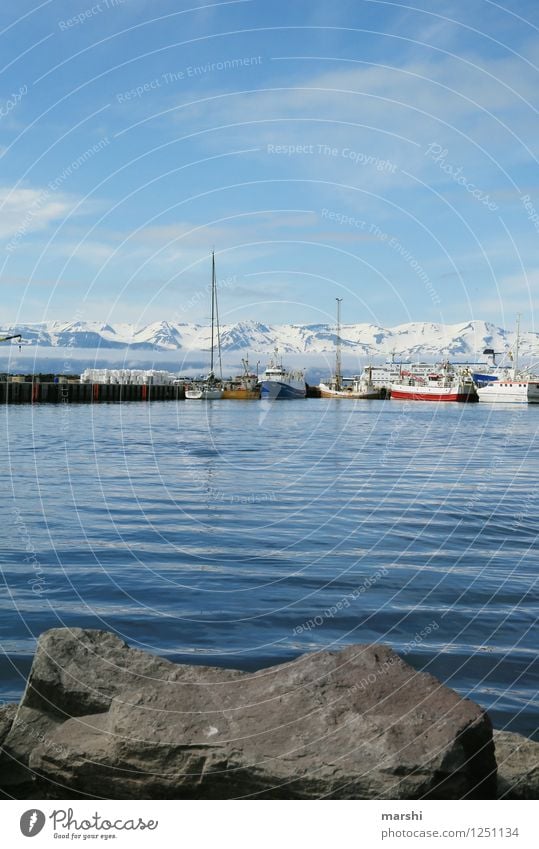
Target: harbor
[16, 391]
[441, 381]
[428, 382]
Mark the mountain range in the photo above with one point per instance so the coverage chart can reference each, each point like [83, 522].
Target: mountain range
[414, 340]
[366, 342]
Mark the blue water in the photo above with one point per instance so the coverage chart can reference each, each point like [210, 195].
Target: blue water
[246, 533]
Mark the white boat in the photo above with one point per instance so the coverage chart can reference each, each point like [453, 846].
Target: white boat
[441, 383]
[204, 393]
[358, 387]
[278, 382]
[503, 385]
[210, 389]
[516, 390]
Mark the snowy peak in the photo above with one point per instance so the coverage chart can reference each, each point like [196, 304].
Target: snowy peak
[426, 340]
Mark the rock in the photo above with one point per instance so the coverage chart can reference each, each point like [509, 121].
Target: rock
[25, 730]
[357, 724]
[77, 672]
[7, 715]
[74, 672]
[518, 766]
[30, 728]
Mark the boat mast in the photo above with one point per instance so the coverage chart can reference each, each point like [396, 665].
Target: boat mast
[338, 376]
[517, 345]
[218, 328]
[212, 307]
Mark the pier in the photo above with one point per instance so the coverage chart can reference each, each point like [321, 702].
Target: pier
[74, 392]
[34, 392]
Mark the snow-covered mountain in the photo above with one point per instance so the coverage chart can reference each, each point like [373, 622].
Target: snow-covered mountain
[414, 340]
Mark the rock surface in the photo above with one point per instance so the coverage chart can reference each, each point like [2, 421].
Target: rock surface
[7, 715]
[101, 719]
[518, 766]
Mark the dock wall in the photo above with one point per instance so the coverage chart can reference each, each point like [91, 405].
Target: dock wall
[85, 393]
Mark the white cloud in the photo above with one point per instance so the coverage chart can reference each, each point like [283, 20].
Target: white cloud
[461, 101]
[185, 245]
[29, 210]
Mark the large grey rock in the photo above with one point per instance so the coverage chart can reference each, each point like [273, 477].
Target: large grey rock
[77, 672]
[518, 766]
[74, 672]
[359, 723]
[7, 715]
[29, 729]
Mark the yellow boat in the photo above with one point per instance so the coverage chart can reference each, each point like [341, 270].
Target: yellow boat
[245, 387]
[241, 393]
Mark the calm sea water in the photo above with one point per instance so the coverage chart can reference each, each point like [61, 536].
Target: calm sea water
[246, 533]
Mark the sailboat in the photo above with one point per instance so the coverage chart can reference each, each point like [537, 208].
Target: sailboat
[358, 387]
[211, 388]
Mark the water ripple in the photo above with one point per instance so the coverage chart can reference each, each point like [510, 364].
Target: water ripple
[212, 533]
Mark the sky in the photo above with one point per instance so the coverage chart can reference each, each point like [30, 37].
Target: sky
[380, 152]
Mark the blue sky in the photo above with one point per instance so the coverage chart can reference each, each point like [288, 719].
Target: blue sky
[374, 151]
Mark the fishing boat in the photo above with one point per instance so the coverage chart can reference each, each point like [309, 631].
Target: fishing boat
[516, 390]
[278, 381]
[507, 385]
[244, 387]
[358, 387]
[441, 383]
[211, 388]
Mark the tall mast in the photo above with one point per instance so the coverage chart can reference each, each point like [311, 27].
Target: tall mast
[212, 305]
[217, 327]
[338, 376]
[517, 345]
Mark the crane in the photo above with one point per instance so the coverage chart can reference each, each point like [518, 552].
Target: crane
[14, 336]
